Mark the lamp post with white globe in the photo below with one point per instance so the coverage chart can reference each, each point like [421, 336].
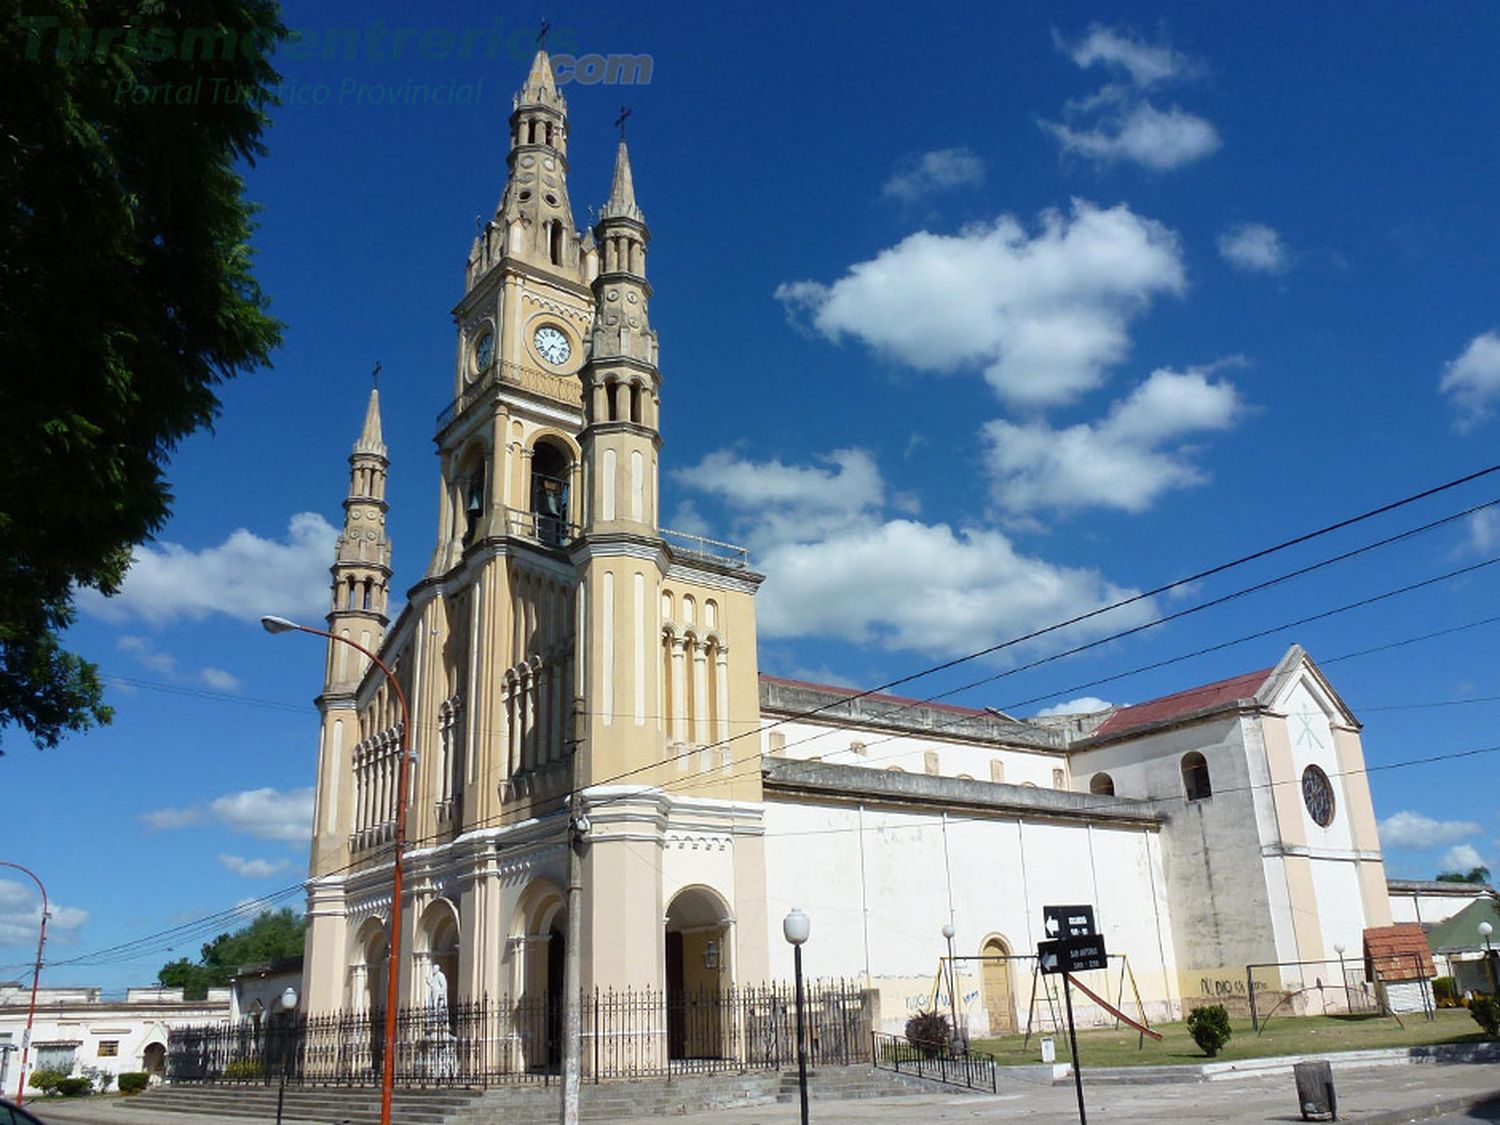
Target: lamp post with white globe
[796, 928]
[948, 932]
[288, 1021]
[1485, 930]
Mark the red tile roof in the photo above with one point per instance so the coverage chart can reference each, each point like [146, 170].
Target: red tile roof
[1183, 703]
[898, 700]
[1398, 952]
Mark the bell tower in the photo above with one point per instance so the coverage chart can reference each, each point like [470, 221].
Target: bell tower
[362, 561]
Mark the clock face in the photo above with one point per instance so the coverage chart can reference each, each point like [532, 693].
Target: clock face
[1317, 795]
[484, 351]
[552, 345]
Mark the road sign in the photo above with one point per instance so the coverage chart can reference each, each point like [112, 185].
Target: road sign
[1068, 921]
[1072, 955]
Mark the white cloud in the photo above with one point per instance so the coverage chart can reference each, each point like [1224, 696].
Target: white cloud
[253, 868]
[1484, 530]
[1146, 63]
[1084, 705]
[837, 566]
[219, 679]
[244, 577]
[1472, 380]
[1155, 138]
[1044, 316]
[21, 916]
[1125, 461]
[268, 814]
[147, 655]
[1408, 829]
[933, 172]
[1461, 857]
[1254, 247]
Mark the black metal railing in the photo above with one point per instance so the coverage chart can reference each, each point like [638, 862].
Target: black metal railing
[938, 1062]
[625, 1034]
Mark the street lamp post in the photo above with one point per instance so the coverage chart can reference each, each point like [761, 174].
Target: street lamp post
[403, 780]
[288, 1001]
[795, 927]
[36, 974]
[948, 932]
[1344, 976]
[1485, 930]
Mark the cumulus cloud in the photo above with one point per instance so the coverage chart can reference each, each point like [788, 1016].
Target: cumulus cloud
[1146, 63]
[1136, 453]
[838, 565]
[1472, 381]
[21, 915]
[266, 813]
[1160, 139]
[1084, 705]
[1043, 316]
[244, 577]
[1254, 247]
[253, 868]
[1484, 531]
[1462, 857]
[145, 653]
[932, 172]
[1408, 829]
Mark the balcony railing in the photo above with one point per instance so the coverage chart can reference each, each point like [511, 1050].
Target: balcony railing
[703, 549]
[565, 389]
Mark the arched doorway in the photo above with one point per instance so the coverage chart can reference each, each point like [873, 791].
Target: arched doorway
[154, 1059]
[995, 980]
[697, 925]
[551, 468]
[542, 925]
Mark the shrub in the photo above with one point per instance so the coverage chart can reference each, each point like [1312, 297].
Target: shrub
[1445, 992]
[46, 1080]
[75, 1087]
[929, 1033]
[1486, 1013]
[1209, 1027]
[241, 1069]
[133, 1081]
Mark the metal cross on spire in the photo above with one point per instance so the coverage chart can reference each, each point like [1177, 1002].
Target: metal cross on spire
[375, 375]
[541, 35]
[625, 112]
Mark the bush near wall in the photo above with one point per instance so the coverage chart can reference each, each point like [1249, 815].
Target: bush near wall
[929, 1033]
[1445, 992]
[1486, 1013]
[75, 1087]
[46, 1080]
[1209, 1027]
[133, 1081]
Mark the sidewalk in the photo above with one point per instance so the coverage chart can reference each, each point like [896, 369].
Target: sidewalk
[1385, 1095]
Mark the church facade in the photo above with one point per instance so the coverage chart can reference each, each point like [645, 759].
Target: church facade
[560, 642]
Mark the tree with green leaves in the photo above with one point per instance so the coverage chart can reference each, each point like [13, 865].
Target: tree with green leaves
[1472, 875]
[126, 297]
[271, 936]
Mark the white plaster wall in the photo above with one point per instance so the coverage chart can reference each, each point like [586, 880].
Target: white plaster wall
[1341, 908]
[1312, 745]
[878, 898]
[1429, 908]
[883, 750]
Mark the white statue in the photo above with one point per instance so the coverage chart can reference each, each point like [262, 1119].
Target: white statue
[437, 987]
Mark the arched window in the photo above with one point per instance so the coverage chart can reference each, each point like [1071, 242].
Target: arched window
[635, 403]
[1102, 784]
[473, 501]
[550, 468]
[1195, 777]
[554, 248]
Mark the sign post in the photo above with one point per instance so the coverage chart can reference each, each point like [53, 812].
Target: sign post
[1074, 948]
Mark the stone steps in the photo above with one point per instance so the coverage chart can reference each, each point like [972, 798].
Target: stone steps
[323, 1104]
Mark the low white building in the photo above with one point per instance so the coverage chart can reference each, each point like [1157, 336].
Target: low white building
[1430, 903]
[79, 1032]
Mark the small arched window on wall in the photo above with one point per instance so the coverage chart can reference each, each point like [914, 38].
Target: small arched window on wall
[1102, 784]
[550, 469]
[1195, 781]
[473, 495]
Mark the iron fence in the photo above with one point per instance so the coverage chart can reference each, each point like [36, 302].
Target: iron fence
[1337, 986]
[625, 1034]
[938, 1062]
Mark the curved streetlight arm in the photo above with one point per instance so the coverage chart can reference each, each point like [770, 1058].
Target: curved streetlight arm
[36, 974]
[403, 782]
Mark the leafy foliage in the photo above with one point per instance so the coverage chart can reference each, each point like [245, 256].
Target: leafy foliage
[126, 296]
[46, 1080]
[75, 1087]
[1472, 875]
[1486, 1013]
[133, 1081]
[270, 936]
[929, 1033]
[1445, 992]
[1209, 1027]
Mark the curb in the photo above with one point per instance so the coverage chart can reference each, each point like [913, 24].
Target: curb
[1427, 1112]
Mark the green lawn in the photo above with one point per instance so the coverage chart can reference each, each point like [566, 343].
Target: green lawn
[1284, 1035]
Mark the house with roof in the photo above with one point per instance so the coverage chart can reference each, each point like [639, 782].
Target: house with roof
[1470, 957]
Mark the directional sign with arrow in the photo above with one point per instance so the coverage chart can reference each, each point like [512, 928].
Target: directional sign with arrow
[1068, 921]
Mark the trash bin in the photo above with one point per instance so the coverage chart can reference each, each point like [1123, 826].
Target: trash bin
[1315, 1094]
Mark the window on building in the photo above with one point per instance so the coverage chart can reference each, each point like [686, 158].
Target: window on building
[997, 770]
[1059, 780]
[1102, 784]
[1195, 781]
[56, 1056]
[109, 1048]
[778, 743]
[929, 761]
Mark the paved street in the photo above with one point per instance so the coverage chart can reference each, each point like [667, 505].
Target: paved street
[1383, 1095]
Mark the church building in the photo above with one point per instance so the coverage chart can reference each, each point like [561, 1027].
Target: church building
[560, 641]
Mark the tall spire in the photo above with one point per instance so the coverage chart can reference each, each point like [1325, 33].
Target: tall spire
[369, 438]
[621, 203]
[540, 87]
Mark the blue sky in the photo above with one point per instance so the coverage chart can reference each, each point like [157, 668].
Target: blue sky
[969, 322]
